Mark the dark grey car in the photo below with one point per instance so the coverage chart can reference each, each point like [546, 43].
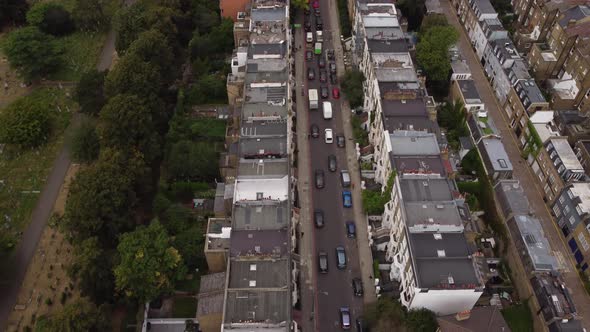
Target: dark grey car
[318, 218]
[323, 262]
[341, 257]
[315, 131]
[332, 163]
[319, 179]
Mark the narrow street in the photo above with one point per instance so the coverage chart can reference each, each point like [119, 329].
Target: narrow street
[522, 172]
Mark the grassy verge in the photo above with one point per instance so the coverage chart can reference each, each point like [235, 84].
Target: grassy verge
[519, 317]
[24, 172]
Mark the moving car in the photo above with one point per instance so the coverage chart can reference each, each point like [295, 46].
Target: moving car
[335, 93]
[333, 67]
[308, 55]
[321, 62]
[347, 198]
[340, 141]
[357, 286]
[345, 318]
[310, 74]
[315, 131]
[323, 262]
[329, 137]
[323, 76]
[319, 179]
[332, 163]
[307, 25]
[345, 178]
[330, 54]
[333, 79]
[324, 92]
[318, 22]
[341, 257]
[318, 218]
[351, 229]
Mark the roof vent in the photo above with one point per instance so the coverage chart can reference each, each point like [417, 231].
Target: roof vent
[437, 236]
[441, 253]
[440, 206]
[252, 267]
[252, 283]
[451, 280]
[430, 220]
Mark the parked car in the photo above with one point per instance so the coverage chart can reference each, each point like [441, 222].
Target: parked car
[316, 4]
[307, 25]
[345, 318]
[323, 76]
[333, 67]
[357, 286]
[308, 55]
[315, 131]
[318, 218]
[333, 79]
[310, 74]
[329, 136]
[323, 262]
[347, 198]
[318, 22]
[320, 180]
[341, 257]
[351, 229]
[324, 92]
[321, 62]
[330, 54]
[340, 141]
[335, 93]
[332, 163]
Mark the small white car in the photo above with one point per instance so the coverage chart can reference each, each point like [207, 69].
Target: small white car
[329, 136]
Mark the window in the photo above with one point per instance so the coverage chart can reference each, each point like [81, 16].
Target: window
[252, 267]
[566, 210]
[572, 220]
[579, 210]
[583, 241]
[570, 194]
[561, 199]
[556, 210]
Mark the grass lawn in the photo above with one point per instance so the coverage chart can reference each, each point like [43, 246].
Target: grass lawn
[81, 52]
[23, 172]
[211, 129]
[519, 317]
[184, 307]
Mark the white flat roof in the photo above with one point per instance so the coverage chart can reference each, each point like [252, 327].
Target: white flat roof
[542, 117]
[380, 21]
[269, 189]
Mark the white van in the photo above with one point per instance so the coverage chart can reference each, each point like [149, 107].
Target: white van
[327, 109]
[345, 178]
[309, 37]
[329, 136]
[319, 36]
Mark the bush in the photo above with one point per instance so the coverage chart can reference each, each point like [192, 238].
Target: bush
[352, 86]
[25, 123]
[85, 145]
[51, 18]
[345, 26]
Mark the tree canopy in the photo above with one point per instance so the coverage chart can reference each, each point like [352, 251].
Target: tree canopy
[149, 264]
[89, 92]
[51, 18]
[132, 75]
[13, 12]
[387, 314]
[89, 15]
[189, 160]
[79, 316]
[152, 47]
[32, 53]
[92, 268]
[352, 86]
[25, 123]
[84, 145]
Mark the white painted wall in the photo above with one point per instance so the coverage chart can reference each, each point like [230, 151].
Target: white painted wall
[445, 301]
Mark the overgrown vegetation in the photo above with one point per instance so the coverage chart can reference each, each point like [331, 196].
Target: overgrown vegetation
[361, 136]
[505, 14]
[374, 201]
[533, 142]
[518, 317]
[413, 11]
[387, 314]
[345, 25]
[452, 116]
[352, 86]
[436, 36]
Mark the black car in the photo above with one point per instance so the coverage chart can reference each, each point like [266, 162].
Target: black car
[320, 180]
[316, 11]
[350, 229]
[333, 67]
[340, 141]
[310, 74]
[307, 25]
[323, 76]
[318, 218]
[323, 262]
[315, 131]
[357, 287]
[332, 163]
[321, 62]
[318, 23]
[330, 54]
[333, 79]
[308, 55]
[324, 92]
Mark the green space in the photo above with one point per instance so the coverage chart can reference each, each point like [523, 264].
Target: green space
[374, 200]
[184, 307]
[24, 170]
[81, 52]
[360, 135]
[518, 317]
[344, 17]
[487, 130]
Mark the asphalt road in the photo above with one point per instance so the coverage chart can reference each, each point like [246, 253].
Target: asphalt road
[333, 290]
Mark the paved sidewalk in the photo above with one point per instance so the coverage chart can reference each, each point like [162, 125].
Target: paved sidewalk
[522, 171]
[364, 251]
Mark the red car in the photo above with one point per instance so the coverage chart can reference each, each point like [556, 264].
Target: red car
[335, 93]
[316, 4]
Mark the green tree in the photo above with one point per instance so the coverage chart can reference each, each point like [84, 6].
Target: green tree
[177, 218]
[84, 145]
[89, 15]
[32, 53]
[149, 264]
[432, 21]
[92, 268]
[51, 18]
[452, 116]
[13, 12]
[126, 122]
[385, 315]
[190, 244]
[352, 86]
[79, 316]
[432, 51]
[129, 22]
[300, 3]
[134, 76]
[421, 320]
[205, 17]
[103, 196]
[192, 161]
[25, 123]
[209, 89]
[152, 47]
[219, 40]
[89, 92]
